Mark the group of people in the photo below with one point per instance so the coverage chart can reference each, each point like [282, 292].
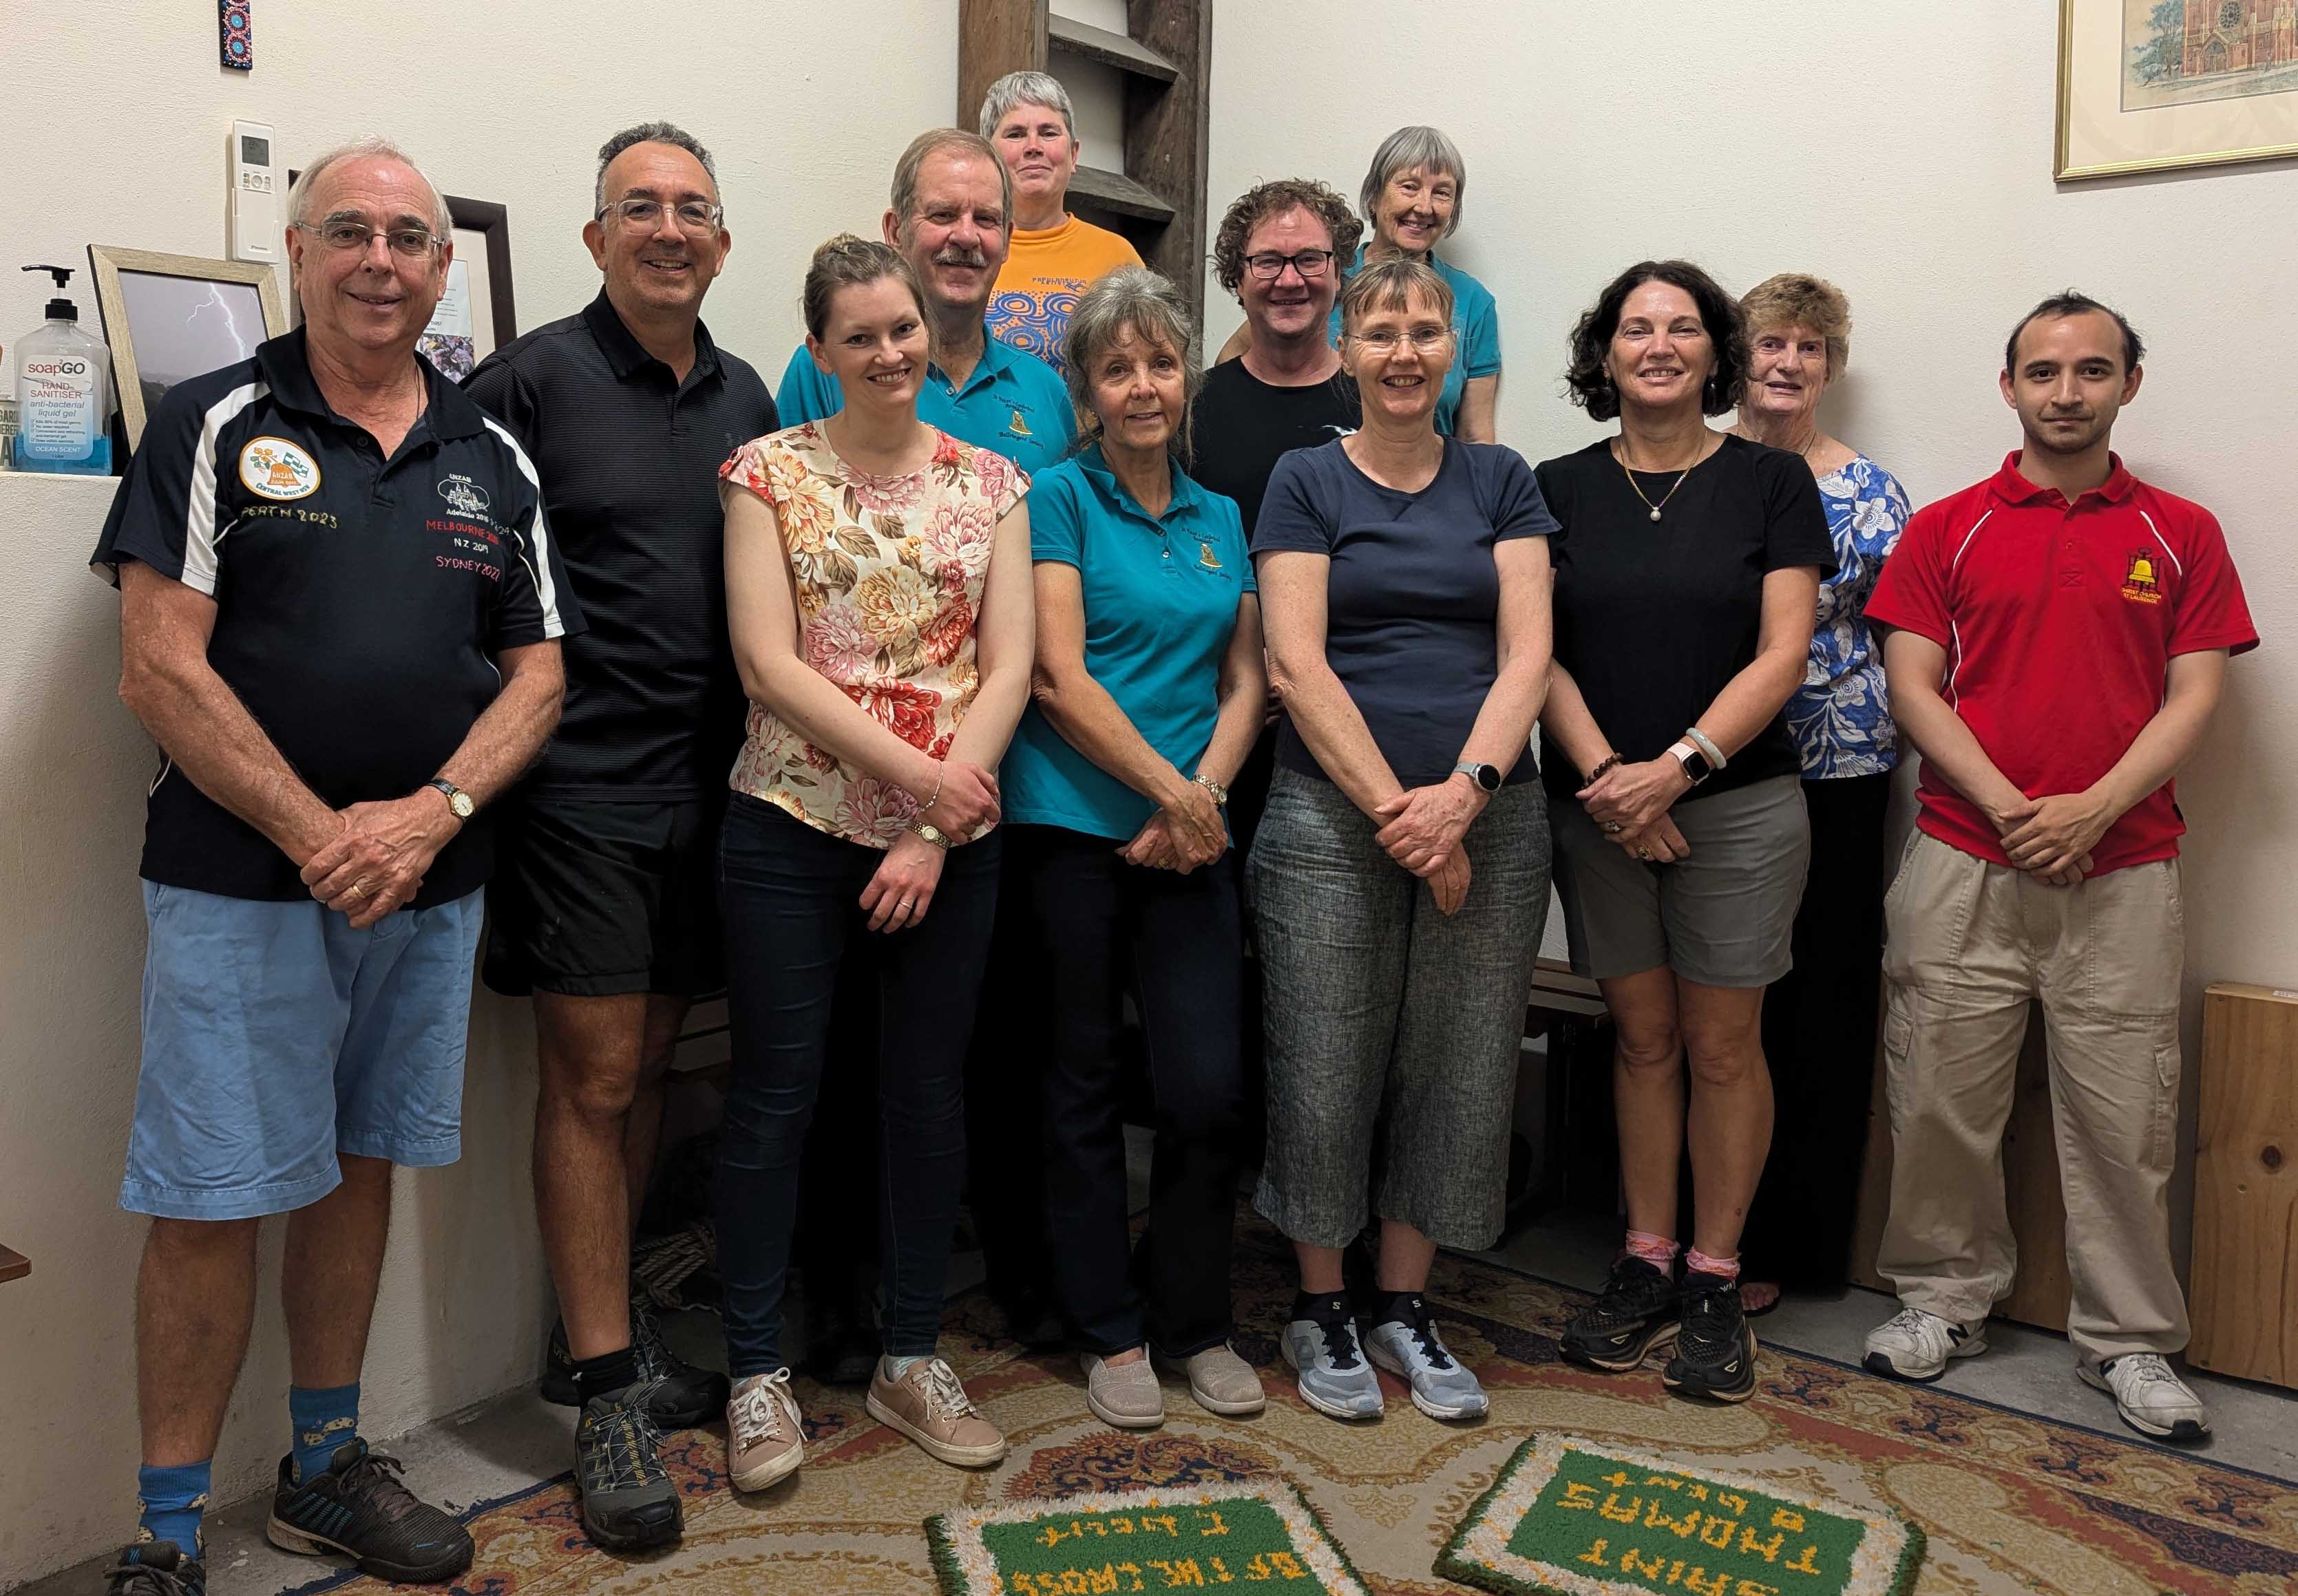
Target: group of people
[928, 705]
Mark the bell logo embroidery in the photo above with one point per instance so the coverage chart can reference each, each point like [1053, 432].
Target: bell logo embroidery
[1205, 560]
[2138, 583]
[1019, 428]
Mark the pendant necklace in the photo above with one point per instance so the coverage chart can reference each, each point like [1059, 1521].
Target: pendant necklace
[1655, 508]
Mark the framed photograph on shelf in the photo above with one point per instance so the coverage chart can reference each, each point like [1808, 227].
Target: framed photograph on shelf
[2154, 85]
[475, 315]
[169, 317]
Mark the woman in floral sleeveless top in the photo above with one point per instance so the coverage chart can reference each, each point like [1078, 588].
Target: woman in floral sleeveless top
[879, 597]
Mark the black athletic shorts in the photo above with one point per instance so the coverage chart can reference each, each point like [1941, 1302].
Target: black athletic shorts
[597, 900]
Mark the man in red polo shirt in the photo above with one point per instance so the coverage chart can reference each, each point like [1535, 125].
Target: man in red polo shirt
[2059, 640]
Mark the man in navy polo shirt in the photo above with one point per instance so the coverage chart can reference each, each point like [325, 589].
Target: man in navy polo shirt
[952, 215]
[2059, 641]
[605, 907]
[340, 613]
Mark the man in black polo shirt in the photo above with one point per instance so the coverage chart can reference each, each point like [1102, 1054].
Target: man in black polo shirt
[605, 907]
[340, 607]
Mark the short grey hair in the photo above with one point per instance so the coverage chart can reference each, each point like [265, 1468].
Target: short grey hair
[1134, 298]
[372, 147]
[649, 133]
[1026, 89]
[904, 199]
[1414, 149]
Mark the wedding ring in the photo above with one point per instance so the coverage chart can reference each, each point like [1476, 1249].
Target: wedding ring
[907, 903]
[357, 889]
[1612, 829]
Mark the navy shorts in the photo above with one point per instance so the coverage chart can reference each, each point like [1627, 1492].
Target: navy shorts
[276, 1037]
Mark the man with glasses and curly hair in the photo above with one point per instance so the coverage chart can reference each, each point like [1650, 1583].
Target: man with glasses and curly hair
[605, 908]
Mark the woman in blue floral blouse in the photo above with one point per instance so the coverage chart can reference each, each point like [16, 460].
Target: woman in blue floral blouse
[1819, 1021]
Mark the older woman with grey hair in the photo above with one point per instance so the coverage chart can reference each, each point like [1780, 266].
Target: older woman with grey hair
[1055, 256]
[1148, 695]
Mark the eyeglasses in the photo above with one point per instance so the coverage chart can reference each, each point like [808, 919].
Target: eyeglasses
[357, 237]
[1269, 265]
[1427, 340]
[694, 217]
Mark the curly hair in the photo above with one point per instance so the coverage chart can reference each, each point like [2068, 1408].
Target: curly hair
[1258, 203]
[1795, 300]
[1591, 387]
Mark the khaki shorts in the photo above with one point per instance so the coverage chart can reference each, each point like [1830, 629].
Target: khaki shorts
[1721, 916]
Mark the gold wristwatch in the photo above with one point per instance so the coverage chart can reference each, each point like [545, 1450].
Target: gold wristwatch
[930, 832]
[457, 800]
[1219, 793]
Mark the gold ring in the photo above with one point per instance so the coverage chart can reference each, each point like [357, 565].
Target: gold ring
[357, 889]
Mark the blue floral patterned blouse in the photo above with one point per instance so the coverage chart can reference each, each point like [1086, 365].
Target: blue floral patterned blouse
[1839, 717]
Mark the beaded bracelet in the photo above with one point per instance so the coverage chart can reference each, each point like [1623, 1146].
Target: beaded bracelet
[1602, 766]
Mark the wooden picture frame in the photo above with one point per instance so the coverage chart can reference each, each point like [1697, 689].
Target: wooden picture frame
[482, 231]
[2160, 85]
[170, 318]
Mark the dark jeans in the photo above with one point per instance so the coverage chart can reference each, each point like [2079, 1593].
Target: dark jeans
[1100, 921]
[790, 898]
[1819, 1035]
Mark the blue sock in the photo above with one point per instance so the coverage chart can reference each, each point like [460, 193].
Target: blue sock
[171, 1501]
[323, 1420]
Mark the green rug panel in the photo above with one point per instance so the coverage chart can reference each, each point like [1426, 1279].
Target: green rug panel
[1568, 1517]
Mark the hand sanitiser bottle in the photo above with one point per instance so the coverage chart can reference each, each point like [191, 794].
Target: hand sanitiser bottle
[64, 392]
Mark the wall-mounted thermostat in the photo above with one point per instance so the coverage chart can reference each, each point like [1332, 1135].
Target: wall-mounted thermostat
[258, 202]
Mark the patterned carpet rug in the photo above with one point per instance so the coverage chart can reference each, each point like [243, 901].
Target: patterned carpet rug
[2010, 1505]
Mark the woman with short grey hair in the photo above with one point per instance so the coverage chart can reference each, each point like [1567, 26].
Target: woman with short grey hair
[1148, 695]
[1405, 580]
[1055, 256]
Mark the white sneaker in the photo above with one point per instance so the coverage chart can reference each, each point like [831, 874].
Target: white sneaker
[1915, 1346]
[2152, 1399]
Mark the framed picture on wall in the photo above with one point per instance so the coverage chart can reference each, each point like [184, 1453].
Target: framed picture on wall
[2152, 85]
[170, 318]
[476, 315]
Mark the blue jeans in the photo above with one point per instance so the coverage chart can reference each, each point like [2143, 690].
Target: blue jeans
[790, 898]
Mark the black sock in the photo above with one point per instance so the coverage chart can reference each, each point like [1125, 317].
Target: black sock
[1399, 1307]
[1325, 1307]
[606, 1375]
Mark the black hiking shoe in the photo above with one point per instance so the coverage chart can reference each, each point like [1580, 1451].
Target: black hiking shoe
[358, 1507]
[156, 1568]
[1716, 1350]
[629, 1502]
[1635, 1313]
[685, 1397]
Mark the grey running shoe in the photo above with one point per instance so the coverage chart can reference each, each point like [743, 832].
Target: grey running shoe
[156, 1568]
[358, 1507]
[1335, 1378]
[1411, 1349]
[628, 1500]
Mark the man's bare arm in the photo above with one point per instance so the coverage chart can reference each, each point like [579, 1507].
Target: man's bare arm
[199, 722]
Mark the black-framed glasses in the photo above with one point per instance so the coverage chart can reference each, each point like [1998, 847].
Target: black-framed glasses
[1268, 265]
[694, 217]
[357, 237]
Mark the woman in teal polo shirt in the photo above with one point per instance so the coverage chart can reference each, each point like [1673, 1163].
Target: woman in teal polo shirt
[1147, 696]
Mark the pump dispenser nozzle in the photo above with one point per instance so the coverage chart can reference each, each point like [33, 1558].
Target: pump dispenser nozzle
[60, 308]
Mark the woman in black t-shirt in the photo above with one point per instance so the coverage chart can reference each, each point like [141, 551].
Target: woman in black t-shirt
[1687, 580]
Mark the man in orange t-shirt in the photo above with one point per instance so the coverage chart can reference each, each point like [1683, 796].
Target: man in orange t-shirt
[1055, 256]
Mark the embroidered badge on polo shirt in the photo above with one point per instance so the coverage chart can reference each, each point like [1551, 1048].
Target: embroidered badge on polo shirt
[275, 468]
[2138, 583]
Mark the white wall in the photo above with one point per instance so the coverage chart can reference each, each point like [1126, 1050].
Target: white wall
[1901, 148]
[507, 101]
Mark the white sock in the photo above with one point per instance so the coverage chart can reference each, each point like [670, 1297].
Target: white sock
[896, 1368]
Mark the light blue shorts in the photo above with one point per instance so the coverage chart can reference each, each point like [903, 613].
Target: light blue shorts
[276, 1036]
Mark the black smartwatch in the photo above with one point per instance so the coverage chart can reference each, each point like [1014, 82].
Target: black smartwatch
[1487, 776]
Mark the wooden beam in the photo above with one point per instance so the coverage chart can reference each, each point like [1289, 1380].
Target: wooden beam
[2245, 1275]
[1166, 129]
[1111, 49]
[995, 37]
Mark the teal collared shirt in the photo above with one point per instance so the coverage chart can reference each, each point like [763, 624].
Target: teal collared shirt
[1476, 318]
[1012, 403]
[1160, 603]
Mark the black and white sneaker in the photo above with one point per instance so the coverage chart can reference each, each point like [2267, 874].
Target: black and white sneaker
[359, 1507]
[1715, 1346]
[1915, 1346]
[1635, 1315]
[685, 1397]
[156, 1568]
[628, 1500]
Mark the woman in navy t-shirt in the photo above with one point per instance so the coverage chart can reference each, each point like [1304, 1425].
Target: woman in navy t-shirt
[1405, 581]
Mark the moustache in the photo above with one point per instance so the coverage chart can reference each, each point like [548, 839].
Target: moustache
[954, 257]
